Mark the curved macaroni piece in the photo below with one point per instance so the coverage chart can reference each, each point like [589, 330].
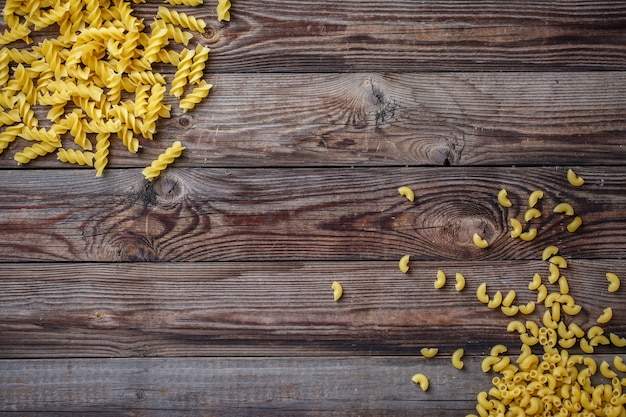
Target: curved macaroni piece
[421, 380]
[555, 273]
[534, 197]
[496, 301]
[75, 157]
[503, 198]
[585, 346]
[481, 293]
[574, 179]
[407, 192]
[441, 279]
[516, 326]
[460, 282]
[337, 290]
[618, 363]
[457, 357]
[548, 321]
[531, 213]
[599, 340]
[617, 340]
[567, 343]
[488, 362]
[510, 310]
[542, 293]
[614, 281]
[429, 352]
[563, 285]
[606, 371]
[594, 331]
[509, 298]
[548, 252]
[527, 308]
[529, 235]
[166, 158]
[479, 241]
[535, 282]
[223, 10]
[516, 226]
[574, 224]
[606, 315]
[558, 261]
[564, 208]
[571, 310]
[403, 264]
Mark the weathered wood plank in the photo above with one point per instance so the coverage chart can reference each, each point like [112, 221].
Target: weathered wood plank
[302, 214]
[374, 386]
[391, 119]
[276, 309]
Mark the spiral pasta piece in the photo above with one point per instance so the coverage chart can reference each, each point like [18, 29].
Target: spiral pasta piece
[196, 96]
[199, 62]
[181, 19]
[183, 69]
[100, 159]
[166, 158]
[31, 152]
[223, 10]
[75, 156]
[9, 135]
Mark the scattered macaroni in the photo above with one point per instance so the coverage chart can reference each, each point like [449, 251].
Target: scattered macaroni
[404, 263]
[337, 290]
[407, 192]
[574, 224]
[479, 241]
[534, 197]
[421, 380]
[429, 352]
[574, 179]
[441, 279]
[564, 208]
[503, 198]
[614, 281]
[457, 357]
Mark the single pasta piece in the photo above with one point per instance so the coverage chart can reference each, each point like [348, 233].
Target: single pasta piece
[460, 282]
[534, 197]
[574, 224]
[558, 261]
[195, 96]
[223, 12]
[481, 293]
[527, 308]
[421, 380]
[166, 158]
[618, 363]
[457, 357]
[614, 281]
[509, 298]
[564, 208]
[488, 362]
[617, 340]
[606, 315]
[441, 279]
[563, 285]
[479, 241]
[503, 198]
[542, 293]
[606, 371]
[548, 252]
[337, 290]
[555, 273]
[535, 283]
[76, 157]
[496, 301]
[516, 226]
[404, 263]
[528, 235]
[574, 179]
[516, 326]
[531, 213]
[509, 310]
[407, 192]
[429, 352]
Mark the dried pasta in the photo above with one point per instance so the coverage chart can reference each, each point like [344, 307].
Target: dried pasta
[166, 158]
[421, 380]
[574, 179]
[534, 197]
[460, 281]
[479, 241]
[96, 79]
[407, 192]
[503, 198]
[441, 279]
[223, 10]
[457, 358]
[403, 264]
[429, 352]
[337, 290]
[614, 281]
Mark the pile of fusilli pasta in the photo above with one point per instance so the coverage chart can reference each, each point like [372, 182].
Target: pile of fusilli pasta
[96, 79]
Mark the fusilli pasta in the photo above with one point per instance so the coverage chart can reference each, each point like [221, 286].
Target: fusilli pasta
[165, 159]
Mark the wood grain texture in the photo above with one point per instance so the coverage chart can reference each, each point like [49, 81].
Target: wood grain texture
[296, 214]
[382, 119]
[277, 309]
[374, 386]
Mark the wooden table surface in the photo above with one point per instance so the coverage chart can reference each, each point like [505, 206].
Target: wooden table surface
[208, 290]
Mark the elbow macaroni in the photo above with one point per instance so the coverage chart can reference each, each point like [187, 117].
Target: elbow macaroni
[503, 198]
[407, 192]
[479, 241]
[421, 380]
[404, 263]
[337, 290]
[574, 179]
[457, 357]
[441, 279]
[614, 281]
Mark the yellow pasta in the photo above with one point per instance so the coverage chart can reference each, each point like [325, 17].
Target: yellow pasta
[558, 261]
[527, 308]
[403, 264]
[606, 371]
[496, 301]
[614, 281]
[606, 315]
[617, 340]
[509, 310]
[528, 235]
[181, 19]
[166, 158]
[535, 282]
[195, 96]
[503, 198]
[76, 157]
[407, 192]
[337, 290]
[509, 298]
[574, 224]
[542, 293]
[516, 326]
[564, 208]
[479, 241]
[531, 213]
[563, 285]
[618, 363]
[481, 293]
[516, 228]
[574, 179]
[457, 357]
[460, 282]
[441, 279]
[421, 380]
[534, 197]
[223, 12]
[429, 352]
[555, 273]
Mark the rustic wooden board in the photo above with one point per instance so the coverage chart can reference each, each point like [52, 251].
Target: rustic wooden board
[296, 214]
[381, 119]
[329, 386]
[276, 309]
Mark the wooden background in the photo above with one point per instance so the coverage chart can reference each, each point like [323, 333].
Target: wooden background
[207, 292]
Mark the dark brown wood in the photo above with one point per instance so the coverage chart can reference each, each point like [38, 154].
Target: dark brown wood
[277, 309]
[390, 119]
[296, 214]
[328, 386]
